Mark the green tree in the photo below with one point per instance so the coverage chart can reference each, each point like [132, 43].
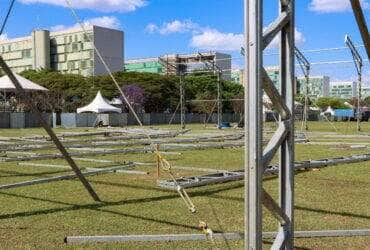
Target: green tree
[335, 103]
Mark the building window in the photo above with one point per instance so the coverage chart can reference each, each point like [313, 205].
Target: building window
[74, 47]
[83, 64]
[26, 53]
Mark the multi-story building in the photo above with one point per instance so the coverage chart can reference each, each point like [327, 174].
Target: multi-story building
[274, 73]
[318, 86]
[148, 65]
[67, 51]
[175, 64]
[345, 90]
[237, 76]
[365, 91]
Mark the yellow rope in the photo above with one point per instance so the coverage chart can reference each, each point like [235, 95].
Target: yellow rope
[164, 164]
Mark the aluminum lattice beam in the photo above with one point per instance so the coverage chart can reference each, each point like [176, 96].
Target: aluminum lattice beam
[283, 140]
[236, 175]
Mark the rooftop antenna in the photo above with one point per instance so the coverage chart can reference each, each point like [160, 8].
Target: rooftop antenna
[358, 64]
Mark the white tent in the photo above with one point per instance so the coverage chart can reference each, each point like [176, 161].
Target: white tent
[328, 111]
[99, 105]
[6, 85]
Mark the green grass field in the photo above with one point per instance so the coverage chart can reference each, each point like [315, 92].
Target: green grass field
[40, 216]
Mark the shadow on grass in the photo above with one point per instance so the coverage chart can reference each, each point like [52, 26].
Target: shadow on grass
[295, 247]
[316, 210]
[322, 211]
[12, 173]
[101, 207]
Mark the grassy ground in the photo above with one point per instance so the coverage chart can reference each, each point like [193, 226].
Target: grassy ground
[41, 216]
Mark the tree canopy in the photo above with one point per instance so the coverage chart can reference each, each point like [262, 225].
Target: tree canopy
[161, 91]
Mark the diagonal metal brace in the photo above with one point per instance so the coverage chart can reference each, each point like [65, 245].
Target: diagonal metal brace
[361, 21]
[48, 129]
[274, 144]
[275, 27]
[274, 95]
[274, 208]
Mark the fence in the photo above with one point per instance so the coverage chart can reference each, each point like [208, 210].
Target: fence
[90, 120]
[22, 120]
[73, 120]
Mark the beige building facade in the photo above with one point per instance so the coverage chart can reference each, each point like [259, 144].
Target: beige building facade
[67, 51]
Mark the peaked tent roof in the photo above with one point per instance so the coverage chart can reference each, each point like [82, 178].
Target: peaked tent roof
[7, 85]
[99, 105]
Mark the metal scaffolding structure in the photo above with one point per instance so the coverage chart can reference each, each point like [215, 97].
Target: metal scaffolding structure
[180, 70]
[216, 71]
[282, 142]
[358, 64]
[236, 175]
[306, 67]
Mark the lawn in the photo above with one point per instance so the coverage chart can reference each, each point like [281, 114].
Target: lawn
[41, 216]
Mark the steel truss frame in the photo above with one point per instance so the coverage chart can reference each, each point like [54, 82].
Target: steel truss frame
[306, 68]
[357, 59]
[282, 142]
[236, 175]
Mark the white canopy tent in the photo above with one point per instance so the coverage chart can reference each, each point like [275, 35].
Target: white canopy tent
[328, 111]
[99, 105]
[6, 85]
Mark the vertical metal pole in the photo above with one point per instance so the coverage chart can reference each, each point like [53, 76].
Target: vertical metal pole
[182, 101]
[254, 124]
[306, 101]
[158, 163]
[219, 100]
[359, 96]
[286, 174]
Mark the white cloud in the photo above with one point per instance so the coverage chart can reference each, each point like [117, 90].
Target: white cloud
[215, 40]
[175, 26]
[97, 5]
[3, 37]
[104, 21]
[299, 39]
[209, 39]
[331, 6]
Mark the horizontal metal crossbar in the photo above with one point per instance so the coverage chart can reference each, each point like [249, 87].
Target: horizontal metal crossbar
[216, 236]
[165, 147]
[197, 181]
[65, 177]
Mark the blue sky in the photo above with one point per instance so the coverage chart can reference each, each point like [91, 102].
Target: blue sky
[157, 27]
